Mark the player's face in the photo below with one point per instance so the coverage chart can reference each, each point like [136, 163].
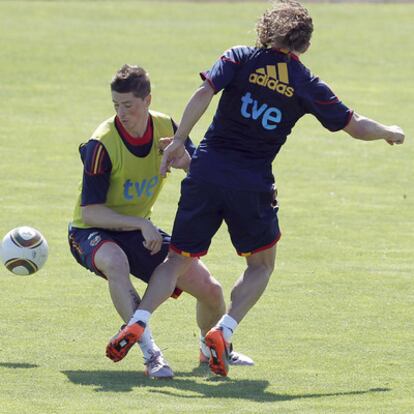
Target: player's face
[131, 111]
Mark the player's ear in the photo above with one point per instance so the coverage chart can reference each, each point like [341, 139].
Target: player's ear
[305, 49]
[147, 100]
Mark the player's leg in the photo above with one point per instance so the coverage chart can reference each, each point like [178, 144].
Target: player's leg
[196, 221]
[141, 264]
[246, 292]
[210, 307]
[112, 261]
[159, 289]
[163, 282]
[100, 252]
[252, 283]
[254, 230]
[198, 282]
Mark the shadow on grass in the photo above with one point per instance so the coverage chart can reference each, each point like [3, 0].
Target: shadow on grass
[212, 387]
[17, 365]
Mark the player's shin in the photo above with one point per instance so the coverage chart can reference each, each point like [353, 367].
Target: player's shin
[162, 284]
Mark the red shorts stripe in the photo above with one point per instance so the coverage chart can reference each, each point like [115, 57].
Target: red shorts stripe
[187, 254]
[260, 249]
[177, 292]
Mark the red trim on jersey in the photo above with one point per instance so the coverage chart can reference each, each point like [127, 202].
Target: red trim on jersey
[97, 162]
[186, 254]
[95, 166]
[260, 249]
[286, 52]
[92, 166]
[136, 141]
[335, 101]
[226, 59]
[203, 76]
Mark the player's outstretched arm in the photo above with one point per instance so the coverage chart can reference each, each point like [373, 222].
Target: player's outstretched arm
[367, 129]
[195, 108]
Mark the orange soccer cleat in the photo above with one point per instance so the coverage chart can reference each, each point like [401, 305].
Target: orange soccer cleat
[122, 342]
[220, 351]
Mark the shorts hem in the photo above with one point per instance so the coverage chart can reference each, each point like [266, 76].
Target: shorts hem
[262, 248]
[187, 254]
[177, 292]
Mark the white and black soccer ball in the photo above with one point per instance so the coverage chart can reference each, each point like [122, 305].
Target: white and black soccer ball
[24, 250]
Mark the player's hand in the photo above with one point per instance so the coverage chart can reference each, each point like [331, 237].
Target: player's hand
[163, 143]
[396, 135]
[172, 152]
[152, 237]
[182, 163]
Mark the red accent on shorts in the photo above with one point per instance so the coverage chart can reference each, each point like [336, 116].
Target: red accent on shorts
[187, 254]
[177, 292]
[101, 243]
[203, 76]
[136, 141]
[260, 249]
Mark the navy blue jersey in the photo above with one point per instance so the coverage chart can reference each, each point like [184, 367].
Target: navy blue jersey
[265, 92]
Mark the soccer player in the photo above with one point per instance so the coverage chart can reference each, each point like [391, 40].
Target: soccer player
[266, 90]
[111, 233]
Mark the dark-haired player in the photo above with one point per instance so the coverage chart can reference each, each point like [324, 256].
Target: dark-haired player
[266, 90]
[111, 233]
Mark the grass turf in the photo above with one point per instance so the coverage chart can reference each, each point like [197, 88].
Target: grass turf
[333, 332]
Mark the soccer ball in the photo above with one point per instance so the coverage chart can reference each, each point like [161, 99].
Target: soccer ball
[24, 250]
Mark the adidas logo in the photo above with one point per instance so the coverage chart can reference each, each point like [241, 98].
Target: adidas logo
[276, 80]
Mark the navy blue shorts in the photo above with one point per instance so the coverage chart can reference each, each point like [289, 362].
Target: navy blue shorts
[85, 242]
[251, 218]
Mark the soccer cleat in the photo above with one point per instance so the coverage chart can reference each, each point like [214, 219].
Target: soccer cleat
[122, 342]
[156, 367]
[236, 358]
[220, 351]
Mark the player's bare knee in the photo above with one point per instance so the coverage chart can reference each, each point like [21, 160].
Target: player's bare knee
[112, 261]
[180, 263]
[215, 294]
[262, 270]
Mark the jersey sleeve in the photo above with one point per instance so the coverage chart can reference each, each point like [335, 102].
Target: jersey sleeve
[225, 68]
[189, 145]
[319, 100]
[97, 168]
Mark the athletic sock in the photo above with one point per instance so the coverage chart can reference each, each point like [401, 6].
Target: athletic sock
[140, 315]
[147, 344]
[203, 347]
[228, 325]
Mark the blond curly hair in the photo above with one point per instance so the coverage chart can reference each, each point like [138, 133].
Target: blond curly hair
[287, 25]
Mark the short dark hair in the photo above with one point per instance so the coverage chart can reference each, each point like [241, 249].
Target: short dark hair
[132, 79]
[286, 25]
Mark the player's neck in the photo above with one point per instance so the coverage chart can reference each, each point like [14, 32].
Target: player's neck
[138, 130]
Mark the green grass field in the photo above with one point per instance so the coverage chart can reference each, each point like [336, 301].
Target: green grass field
[334, 332]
